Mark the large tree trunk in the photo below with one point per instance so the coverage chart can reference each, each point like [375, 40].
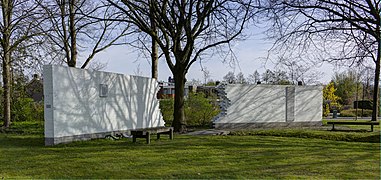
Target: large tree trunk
[376, 85]
[6, 61]
[7, 90]
[179, 123]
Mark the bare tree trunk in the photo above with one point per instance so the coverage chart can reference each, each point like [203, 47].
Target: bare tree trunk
[7, 90]
[66, 47]
[154, 53]
[376, 85]
[73, 35]
[6, 61]
[154, 57]
[178, 114]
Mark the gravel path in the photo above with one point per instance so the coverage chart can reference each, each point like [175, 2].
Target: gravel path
[209, 132]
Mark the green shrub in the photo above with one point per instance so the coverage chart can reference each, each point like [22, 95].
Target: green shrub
[346, 107]
[199, 110]
[25, 109]
[166, 108]
[363, 104]
[352, 113]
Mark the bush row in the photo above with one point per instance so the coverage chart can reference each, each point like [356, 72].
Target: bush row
[25, 109]
[199, 110]
[352, 113]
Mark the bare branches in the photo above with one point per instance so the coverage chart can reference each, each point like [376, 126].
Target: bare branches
[83, 26]
[19, 31]
[335, 29]
[185, 30]
[329, 30]
[183, 24]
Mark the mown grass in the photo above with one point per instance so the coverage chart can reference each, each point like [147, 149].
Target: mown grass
[347, 135]
[25, 127]
[25, 156]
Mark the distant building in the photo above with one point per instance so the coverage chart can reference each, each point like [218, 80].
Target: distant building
[34, 89]
[207, 90]
[167, 90]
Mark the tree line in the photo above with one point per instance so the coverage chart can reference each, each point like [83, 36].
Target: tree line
[349, 90]
[182, 32]
[280, 77]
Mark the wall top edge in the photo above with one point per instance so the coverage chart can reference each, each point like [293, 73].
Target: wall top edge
[91, 71]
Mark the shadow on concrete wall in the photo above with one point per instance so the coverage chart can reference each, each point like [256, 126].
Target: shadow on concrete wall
[268, 103]
[130, 103]
[254, 103]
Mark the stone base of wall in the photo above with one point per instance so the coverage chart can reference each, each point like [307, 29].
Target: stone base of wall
[266, 125]
[83, 137]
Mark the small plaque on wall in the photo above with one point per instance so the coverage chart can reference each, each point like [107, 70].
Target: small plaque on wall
[103, 90]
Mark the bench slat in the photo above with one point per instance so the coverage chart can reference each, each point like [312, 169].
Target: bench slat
[354, 123]
[146, 133]
[153, 130]
[371, 123]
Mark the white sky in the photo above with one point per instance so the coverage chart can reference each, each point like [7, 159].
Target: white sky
[250, 54]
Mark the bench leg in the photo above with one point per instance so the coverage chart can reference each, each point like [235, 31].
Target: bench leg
[333, 127]
[171, 134]
[148, 138]
[158, 136]
[134, 138]
[371, 127]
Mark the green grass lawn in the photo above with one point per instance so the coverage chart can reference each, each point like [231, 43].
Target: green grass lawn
[23, 155]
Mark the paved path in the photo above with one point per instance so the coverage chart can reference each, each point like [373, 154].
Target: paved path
[209, 132]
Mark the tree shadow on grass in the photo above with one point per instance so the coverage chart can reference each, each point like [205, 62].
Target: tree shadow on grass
[200, 157]
[370, 139]
[9, 141]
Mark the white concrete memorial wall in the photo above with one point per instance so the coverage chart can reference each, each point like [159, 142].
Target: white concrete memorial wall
[244, 106]
[84, 104]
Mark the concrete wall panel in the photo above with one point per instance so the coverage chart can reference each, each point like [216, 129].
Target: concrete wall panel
[79, 108]
[245, 104]
[308, 103]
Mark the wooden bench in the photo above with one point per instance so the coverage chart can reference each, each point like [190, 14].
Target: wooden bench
[371, 123]
[146, 133]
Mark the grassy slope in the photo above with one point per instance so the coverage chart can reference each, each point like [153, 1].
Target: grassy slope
[24, 156]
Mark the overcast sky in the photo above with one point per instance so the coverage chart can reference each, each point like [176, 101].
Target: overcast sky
[250, 53]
